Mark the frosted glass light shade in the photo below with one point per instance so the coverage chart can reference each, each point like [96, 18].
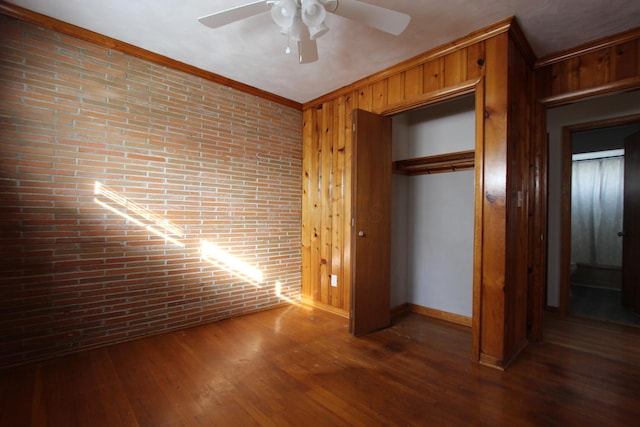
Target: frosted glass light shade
[313, 13]
[283, 13]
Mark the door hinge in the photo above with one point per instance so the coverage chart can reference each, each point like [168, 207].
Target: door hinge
[353, 127]
[353, 222]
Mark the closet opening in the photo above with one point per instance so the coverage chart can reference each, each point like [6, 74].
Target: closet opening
[433, 205]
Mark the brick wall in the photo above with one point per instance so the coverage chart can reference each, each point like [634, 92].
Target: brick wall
[113, 171]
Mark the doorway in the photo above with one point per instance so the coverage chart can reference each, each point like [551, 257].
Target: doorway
[595, 168]
[447, 109]
[602, 112]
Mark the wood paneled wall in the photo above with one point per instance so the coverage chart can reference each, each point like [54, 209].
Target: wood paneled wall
[488, 62]
[601, 67]
[605, 66]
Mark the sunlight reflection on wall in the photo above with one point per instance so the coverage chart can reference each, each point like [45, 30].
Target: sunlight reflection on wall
[228, 262]
[209, 251]
[138, 215]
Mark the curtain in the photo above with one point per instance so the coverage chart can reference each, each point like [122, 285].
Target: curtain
[596, 211]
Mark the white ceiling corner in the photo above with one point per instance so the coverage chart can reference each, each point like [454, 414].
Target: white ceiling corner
[252, 51]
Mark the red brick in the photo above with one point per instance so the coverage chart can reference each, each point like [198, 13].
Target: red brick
[217, 163]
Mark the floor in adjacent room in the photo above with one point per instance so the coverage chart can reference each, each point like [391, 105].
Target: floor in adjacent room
[600, 303]
[299, 366]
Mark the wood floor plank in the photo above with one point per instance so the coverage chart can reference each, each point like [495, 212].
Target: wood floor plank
[300, 366]
[17, 385]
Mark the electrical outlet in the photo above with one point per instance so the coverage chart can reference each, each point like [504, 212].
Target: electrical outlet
[334, 280]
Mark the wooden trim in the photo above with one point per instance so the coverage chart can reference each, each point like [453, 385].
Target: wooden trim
[468, 40]
[400, 309]
[326, 307]
[607, 89]
[605, 123]
[478, 238]
[433, 97]
[538, 239]
[491, 362]
[53, 24]
[588, 48]
[439, 314]
[451, 162]
[565, 221]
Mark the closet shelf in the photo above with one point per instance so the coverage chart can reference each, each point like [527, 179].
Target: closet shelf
[451, 162]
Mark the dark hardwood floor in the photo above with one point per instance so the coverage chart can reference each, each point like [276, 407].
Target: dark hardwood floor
[298, 366]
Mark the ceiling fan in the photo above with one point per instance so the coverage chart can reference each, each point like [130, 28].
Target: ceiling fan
[303, 20]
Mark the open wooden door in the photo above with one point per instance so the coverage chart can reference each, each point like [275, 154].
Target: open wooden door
[631, 224]
[371, 223]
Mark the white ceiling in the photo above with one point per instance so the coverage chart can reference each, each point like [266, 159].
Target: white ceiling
[252, 51]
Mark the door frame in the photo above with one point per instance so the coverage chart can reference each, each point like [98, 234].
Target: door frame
[538, 293]
[475, 87]
[565, 221]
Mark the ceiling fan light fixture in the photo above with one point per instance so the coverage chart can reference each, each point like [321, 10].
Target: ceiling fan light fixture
[283, 12]
[318, 31]
[313, 13]
[303, 20]
[295, 30]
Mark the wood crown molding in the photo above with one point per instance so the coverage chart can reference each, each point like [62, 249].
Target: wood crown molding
[616, 39]
[470, 39]
[53, 24]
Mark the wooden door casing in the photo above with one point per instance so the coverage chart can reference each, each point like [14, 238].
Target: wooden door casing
[631, 226]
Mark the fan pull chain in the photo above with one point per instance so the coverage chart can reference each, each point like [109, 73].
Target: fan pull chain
[288, 49]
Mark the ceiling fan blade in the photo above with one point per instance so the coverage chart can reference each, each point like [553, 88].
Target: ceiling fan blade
[218, 19]
[386, 20]
[307, 48]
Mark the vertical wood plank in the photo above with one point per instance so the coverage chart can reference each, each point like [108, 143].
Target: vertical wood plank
[380, 98]
[543, 81]
[538, 231]
[455, 67]
[571, 75]
[365, 98]
[395, 88]
[315, 201]
[565, 76]
[433, 75]
[494, 202]
[594, 69]
[625, 61]
[307, 188]
[413, 81]
[337, 202]
[475, 60]
[326, 201]
[517, 255]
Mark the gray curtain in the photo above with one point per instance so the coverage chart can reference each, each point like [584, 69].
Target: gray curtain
[596, 211]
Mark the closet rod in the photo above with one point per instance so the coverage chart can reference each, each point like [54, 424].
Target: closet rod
[451, 162]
